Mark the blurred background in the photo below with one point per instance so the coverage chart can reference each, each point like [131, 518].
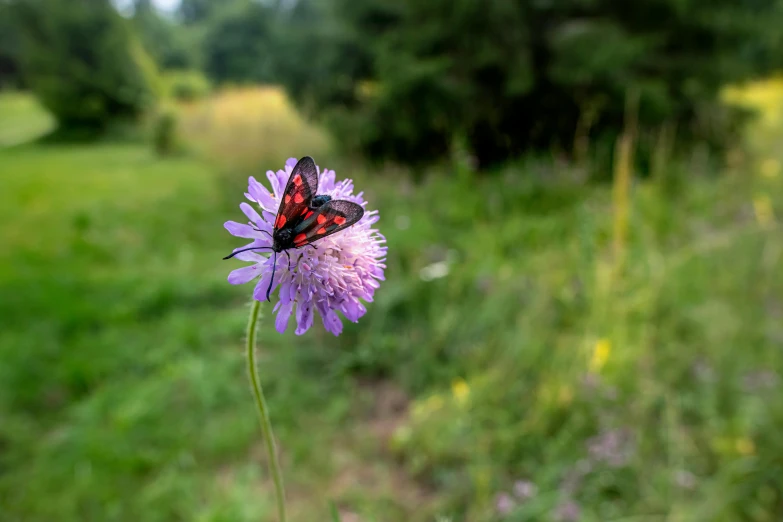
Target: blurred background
[583, 312]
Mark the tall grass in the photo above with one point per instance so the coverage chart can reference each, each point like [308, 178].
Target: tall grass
[249, 129]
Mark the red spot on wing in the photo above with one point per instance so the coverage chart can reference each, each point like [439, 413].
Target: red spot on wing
[321, 219]
[321, 230]
[280, 223]
[287, 199]
[339, 220]
[297, 180]
[310, 213]
[298, 198]
[304, 211]
[301, 238]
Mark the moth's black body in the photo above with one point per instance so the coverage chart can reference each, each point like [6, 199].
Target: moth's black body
[283, 238]
[320, 200]
[305, 217]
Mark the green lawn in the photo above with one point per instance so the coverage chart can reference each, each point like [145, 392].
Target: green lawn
[123, 392]
[22, 119]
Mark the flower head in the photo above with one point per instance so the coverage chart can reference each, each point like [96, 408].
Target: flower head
[341, 270]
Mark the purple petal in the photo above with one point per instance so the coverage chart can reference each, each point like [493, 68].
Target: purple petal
[261, 195]
[285, 291]
[244, 275]
[291, 162]
[282, 179]
[241, 230]
[331, 320]
[259, 293]
[353, 310]
[326, 181]
[273, 179]
[254, 189]
[304, 317]
[283, 314]
[250, 212]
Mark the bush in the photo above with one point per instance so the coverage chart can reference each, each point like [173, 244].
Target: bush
[83, 64]
[164, 133]
[239, 45]
[515, 76]
[186, 85]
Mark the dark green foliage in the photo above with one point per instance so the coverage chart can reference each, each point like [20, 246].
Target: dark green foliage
[512, 76]
[167, 42]
[164, 134]
[239, 44]
[185, 85]
[83, 63]
[10, 75]
[195, 11]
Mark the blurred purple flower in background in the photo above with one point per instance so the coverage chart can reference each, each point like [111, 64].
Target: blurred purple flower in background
[524, 489]
[612, 447]
[504, 504]
[568, 511]
[343, 269]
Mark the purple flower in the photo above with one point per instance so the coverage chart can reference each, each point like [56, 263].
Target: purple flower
[568, 511]
[343, 269]
[524, 489]
[504, 504]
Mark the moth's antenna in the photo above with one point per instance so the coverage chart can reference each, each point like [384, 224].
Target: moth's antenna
[245, 250]
[272, 279]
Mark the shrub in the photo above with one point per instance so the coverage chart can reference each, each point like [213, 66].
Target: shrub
[186, 85]
[83, 63]
[164, 133]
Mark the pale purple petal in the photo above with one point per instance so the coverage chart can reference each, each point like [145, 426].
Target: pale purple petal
[255, 190]
[304, 317]
[283, 315]
[241, 230]
[259, 293]
[282, 180]
[250, 212]
[261, 195]
[331, 320]
[291, 162]
[353, 310]
[274, 180]
[285, 291]
[244, 275]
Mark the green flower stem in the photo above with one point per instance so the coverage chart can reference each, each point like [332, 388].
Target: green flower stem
[263, 411]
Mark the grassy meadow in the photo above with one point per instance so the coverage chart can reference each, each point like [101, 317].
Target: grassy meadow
[543, 348]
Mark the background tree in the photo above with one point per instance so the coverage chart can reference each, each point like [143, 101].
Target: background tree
[239, 45]
[506, 77]
[10, 74]
[83, 63]
[169, 44]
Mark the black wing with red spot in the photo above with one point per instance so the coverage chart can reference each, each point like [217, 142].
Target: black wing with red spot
[327, 219]
[299, 192]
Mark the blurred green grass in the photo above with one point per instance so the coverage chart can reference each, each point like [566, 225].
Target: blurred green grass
[123, 392]
[23, 119]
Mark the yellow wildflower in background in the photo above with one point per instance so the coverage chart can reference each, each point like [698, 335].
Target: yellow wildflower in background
[565, 395]
[765, 216]
[430, 405]
[600, 354]
[745, 446]
[460, 390]
[770, 168]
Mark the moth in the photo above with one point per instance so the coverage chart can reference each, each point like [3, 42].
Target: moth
[304, 217]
